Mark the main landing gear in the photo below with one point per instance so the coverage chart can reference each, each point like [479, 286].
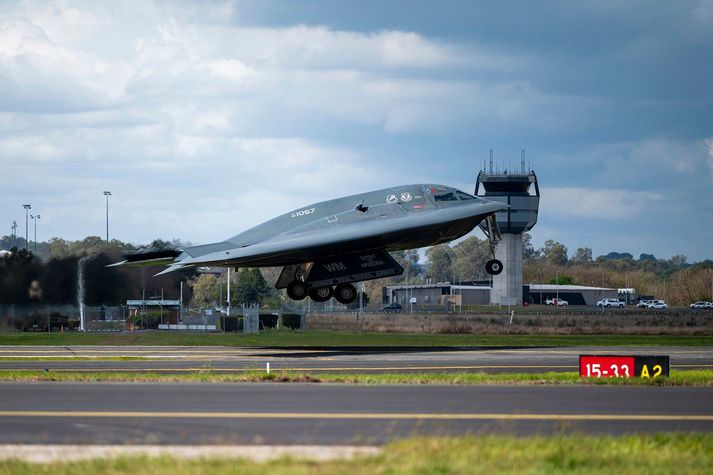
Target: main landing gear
[490, 228]
[344, 293]
[334, 276]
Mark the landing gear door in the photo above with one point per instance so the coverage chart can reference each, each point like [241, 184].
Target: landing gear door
[293, 272]
[355, 267]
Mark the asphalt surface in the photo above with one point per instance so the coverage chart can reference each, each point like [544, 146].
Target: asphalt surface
[329, 414]
[318, 359]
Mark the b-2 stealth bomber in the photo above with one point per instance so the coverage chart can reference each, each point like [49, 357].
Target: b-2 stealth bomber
[326, 247]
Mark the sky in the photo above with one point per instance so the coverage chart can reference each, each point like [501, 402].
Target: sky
[206, 118]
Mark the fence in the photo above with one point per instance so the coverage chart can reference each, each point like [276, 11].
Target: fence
[55, 318]
[688, 323]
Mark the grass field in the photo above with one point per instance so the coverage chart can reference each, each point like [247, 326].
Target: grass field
[344, 339]
[677, 378]
[634, 454]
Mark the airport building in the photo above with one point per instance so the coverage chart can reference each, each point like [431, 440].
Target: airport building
[443, 293]
[437, 294]
[573, 294]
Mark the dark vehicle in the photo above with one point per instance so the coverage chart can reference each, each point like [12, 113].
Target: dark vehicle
[392, 307]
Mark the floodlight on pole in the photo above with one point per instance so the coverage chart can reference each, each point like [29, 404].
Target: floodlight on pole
[107, 194]
[27, 208]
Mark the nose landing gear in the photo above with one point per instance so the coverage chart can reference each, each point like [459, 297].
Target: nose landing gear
[490, 228]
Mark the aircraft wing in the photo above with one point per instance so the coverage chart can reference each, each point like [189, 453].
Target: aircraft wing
[401, 232]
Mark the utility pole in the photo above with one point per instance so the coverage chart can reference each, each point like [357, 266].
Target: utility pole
[14, 230]
[107, 194]
[27, 208]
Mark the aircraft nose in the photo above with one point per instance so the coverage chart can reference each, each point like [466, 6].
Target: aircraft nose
[489, 205]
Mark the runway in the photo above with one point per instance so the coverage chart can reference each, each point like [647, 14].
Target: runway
[330, 414]
[174, 359]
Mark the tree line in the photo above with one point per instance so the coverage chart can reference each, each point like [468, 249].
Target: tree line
[50, 275]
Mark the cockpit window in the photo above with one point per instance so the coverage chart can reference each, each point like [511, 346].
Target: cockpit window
[465, 196]
[445, 197]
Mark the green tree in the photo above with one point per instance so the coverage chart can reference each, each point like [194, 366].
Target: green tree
[251, 287]
[440, 263]
[562, 280]
[17, 271]
[409, 261]
[555, 252]
[206, 289]
[582, 255]
[679, 260]
[469, 258]
[528, 249]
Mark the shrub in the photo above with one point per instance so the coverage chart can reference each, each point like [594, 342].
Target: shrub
[291, 320]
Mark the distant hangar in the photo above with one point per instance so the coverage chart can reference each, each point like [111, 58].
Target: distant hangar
[457, 294]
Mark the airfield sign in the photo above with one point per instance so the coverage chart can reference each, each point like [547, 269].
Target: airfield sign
[623, 366]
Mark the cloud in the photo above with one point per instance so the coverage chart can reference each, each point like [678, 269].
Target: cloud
[206, 120]
[597, 204]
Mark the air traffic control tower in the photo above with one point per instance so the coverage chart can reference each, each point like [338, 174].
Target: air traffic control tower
[515, 188]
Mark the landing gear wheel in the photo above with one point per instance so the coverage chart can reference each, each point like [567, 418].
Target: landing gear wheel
[320, 294]
[345, 293]
[493, 267]
[296, 290]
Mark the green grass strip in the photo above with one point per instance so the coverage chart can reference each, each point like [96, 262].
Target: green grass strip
[632, 454]
[74, 358]
[293, 339]
[677, 378]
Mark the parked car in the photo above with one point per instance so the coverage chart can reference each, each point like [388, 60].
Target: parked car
[702, 304]
[610, 303]
[656, 304]
[643, 303]
[392, 307]
[558, 302]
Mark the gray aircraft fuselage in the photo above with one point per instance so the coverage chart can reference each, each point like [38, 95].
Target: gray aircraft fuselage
[325, 247]
[402, 217]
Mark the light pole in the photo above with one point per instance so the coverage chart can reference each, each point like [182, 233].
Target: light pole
[558, 289]
[27, 208]
[107, 194]
[542, 282]
[35, 218]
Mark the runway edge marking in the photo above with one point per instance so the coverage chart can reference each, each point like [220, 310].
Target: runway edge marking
[363, 416]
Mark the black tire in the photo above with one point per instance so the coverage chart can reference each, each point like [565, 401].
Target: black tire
[493, 267]
[345, 293]
[321, 294]
[297, 290]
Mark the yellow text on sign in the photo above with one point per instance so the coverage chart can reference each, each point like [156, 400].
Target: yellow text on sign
[656, 369]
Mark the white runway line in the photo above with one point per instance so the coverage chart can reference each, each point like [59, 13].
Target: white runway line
[258, 453]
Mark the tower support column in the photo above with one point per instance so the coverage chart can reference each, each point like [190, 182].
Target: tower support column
[507, 286]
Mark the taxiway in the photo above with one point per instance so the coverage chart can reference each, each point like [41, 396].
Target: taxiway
[324, 414]
[173, 359]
